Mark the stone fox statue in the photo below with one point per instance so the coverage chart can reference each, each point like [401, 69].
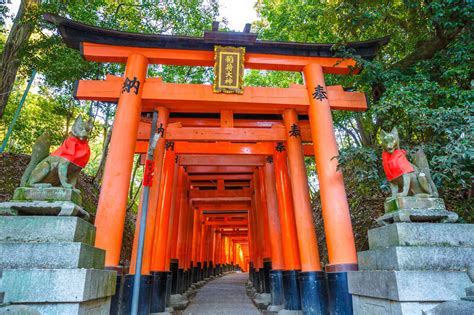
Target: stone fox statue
[405, 179]
[63, 166]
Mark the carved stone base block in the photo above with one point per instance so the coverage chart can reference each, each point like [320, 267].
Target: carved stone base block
[418, 215]
[53, 208]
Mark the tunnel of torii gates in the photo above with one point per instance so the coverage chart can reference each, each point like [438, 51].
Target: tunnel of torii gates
[230, 187]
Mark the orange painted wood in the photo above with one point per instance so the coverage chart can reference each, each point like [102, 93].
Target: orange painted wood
[178, 57]
[238, 206]
[335, 209]
[152, 212]
[178, 219]
[219, 169]
[229, 148]
[306, 232]
[225, 134]
[227, 224]
[201, 98]
[274, 225]
[291, 253]
[160, 238]
[200, 194]
[224, 160]
[111, 210]
[228, 184]
[227, 119]
[275, 132]
[196, 230]
[174, 219]
[263, 205]
[221, 176]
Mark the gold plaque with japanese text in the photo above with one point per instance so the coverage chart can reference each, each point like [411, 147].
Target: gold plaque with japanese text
[229, 69]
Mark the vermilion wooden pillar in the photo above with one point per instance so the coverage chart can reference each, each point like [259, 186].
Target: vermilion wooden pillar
[291, 255]
[163, 115]
[172, 223]
[112, 206]
[158, 261]
[309, 255]
[183, 225]
[263, 201]
[274, 227]
[337, 219]
[312, 281]
[335, 209]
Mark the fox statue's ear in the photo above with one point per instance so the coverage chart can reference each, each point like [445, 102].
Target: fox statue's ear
[383, 133]
[395, 132]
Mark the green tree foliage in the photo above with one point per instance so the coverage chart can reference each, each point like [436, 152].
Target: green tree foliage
[420, 82]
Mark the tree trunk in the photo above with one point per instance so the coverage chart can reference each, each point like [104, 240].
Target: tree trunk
[105, 151]
[9, 60]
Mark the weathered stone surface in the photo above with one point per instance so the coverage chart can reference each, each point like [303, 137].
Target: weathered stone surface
[421, 286]
[416, 258]
[363, 305]
[95, 307]
[418, 215]
[452, 307]
[413, 203]
[178, 301]
[60, 208]
[47, 194]
[56, 285]
[39, 229]
[50, 256]
[225, 295]
[262, 300]
[422, 234]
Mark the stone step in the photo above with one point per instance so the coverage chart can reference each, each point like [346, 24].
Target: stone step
[416, 286]
[45, 229]
[95, 307]
[416, 258]
[56, 285]
[422, 234]
[50, 256]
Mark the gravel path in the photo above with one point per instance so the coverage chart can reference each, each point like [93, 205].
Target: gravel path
[223, 296]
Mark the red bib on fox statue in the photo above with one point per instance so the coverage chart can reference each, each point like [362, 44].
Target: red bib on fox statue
[74, 150]
[396, 164]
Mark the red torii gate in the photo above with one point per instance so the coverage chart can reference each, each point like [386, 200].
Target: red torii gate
[271, 184]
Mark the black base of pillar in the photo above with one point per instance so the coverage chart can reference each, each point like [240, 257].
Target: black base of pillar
[204, 270]
[313, 291]
[196, 272]
[291, 290]
[340, 301]
[168, 288]
[181, 281]
[158, 297]
[267, 267]
[116, 298]
[174, 276]
[257, 284]
[143, 299]
[261, 274]
[276, 287]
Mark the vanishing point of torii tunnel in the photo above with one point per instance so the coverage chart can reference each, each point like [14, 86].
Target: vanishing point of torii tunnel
[230, 188]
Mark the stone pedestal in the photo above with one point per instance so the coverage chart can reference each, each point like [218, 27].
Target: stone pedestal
[43, 199]
[416, 209]
[412, 267]
[50, 266]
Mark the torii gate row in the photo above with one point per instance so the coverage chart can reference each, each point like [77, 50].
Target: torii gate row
[172, 225]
